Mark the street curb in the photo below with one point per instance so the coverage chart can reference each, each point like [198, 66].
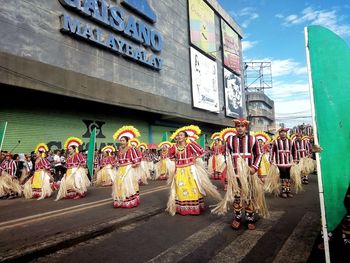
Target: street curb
[66, 240]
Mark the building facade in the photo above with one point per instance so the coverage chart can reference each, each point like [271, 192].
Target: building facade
[261, 112]
[68, 66]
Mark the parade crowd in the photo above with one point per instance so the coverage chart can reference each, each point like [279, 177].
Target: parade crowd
[248, 164]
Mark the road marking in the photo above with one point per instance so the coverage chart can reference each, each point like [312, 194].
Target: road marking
[240, 247]
[68, 210]
[298, 246]
[185, 247]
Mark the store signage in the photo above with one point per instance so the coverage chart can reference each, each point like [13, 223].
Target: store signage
[121, 27]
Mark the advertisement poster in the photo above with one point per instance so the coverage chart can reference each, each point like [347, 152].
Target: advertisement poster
[205, 91]
[202, 26]
[231, 48]
[233, 94]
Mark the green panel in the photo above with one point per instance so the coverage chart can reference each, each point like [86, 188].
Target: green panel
[3, 126]
[330, 64]
[54, 126]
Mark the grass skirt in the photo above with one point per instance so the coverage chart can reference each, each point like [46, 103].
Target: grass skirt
[105, 176]
[73, 184]
[125, 189]
[9, 185]
[38, 186]
[188, 187]
[216, 163]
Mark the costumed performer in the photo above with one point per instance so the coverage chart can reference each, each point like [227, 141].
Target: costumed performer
[125, 189]
[75, 181]
[190, 182]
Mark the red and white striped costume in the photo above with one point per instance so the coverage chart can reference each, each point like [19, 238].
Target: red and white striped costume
[246, 147]
[126, 186]
[186, 157]
[131, 156]
[300, 149]
[42, 164]
[281, 153]
[8, 166]
[75, 160]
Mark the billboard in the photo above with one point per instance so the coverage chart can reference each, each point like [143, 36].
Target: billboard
[202, 26]
[233, 94]
[205, 93]
[231, 48]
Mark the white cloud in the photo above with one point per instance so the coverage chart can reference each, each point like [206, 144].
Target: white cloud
[286, 67]
[246, 16]
[248, 45]
[292, 103]
[330, 19]
[283, 91]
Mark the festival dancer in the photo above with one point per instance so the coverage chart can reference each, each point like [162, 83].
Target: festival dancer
[216, 163]
[38, 186]
[125, 189]
[263, 139]
[9, 184]
[75, 182]
[301, 151]
[107, 172]
[190, 182]
[281, 155]
[244, 187]
[165, 166]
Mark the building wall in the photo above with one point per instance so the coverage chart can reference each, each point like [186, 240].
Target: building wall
[34, 54]
[261, 111]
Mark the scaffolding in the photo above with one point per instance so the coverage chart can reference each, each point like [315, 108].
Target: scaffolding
[257, 76]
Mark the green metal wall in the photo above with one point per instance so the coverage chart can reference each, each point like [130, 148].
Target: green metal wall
[54, 127]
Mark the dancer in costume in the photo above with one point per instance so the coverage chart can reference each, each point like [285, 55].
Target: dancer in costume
[244, 188]
[191, 182]
[144, 172]
[263, 140]
[75, 182]
[38, 186]
[165, 165]
[301, 151]
[125, 189]
[107, 172]
[216, 163]
[9, 184]
[281, 155]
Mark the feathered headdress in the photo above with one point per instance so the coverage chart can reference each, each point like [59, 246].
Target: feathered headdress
[134, 142]
[216, 135]
[73, 141]
[165, 144]
[41, 147]
[192, 131]
[260, 135]
[127, 131]
[143, 146]
[241, 121]
[306, 138]
[227, 132]
[109, 149]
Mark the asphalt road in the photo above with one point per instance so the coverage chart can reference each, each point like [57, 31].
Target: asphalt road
[91, 230]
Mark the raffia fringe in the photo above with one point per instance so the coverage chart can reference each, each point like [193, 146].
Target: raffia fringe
[272, 183]
[171, 205]
[232, 187]
[295, 175]
[205, 182]
[255, 190]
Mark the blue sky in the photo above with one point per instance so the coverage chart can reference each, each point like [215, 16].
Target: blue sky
[274, 31]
